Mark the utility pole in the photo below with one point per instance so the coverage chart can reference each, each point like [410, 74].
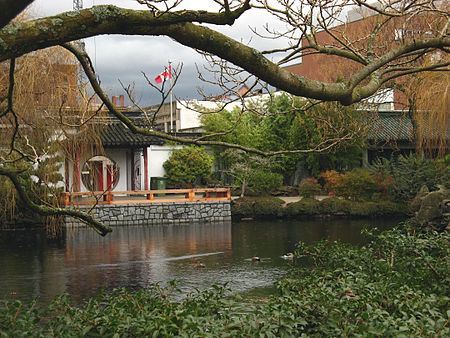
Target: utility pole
[171, 98]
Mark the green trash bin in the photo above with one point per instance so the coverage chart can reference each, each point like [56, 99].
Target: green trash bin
[158, 183]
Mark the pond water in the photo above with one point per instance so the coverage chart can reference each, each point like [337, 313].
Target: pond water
[82, 262]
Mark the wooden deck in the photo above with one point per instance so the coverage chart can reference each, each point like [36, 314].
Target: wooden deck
[145, 196]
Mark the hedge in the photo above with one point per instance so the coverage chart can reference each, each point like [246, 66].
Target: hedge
[264, 207]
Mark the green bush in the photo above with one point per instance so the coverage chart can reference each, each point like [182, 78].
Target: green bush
[304, 207]
[188, 166]
[261, 182]
[395, 286]
[146, 313]
[389, 208]
[359, 184]
[309, 187]
[363, 209]
[334, 205]
[443, 166]
[377, 209]
[409, 174]
[257, 207]
[342, 207]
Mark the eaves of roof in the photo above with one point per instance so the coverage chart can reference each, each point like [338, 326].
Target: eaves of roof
[116, 134]
[397, 127]
[390, 127]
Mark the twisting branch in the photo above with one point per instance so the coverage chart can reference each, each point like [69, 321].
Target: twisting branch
[82, 123]
[82, 57]
[411, 70]
[19, 179]
[10, 109]
[12, 68]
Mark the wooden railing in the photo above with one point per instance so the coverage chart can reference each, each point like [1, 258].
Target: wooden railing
[145, 196]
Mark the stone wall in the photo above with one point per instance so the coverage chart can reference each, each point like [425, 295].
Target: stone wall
[158, 213]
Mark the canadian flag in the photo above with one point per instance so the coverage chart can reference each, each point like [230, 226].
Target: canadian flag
[164, 75]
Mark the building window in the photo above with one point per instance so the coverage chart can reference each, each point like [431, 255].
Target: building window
[100, 173]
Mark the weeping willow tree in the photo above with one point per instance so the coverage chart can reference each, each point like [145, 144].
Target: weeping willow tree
[430, 107]
[41, 129]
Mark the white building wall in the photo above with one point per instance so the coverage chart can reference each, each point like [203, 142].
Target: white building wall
[120, 157]
[190, 118]
[157, 155]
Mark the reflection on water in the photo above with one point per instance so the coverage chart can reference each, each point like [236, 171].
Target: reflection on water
[82, 263]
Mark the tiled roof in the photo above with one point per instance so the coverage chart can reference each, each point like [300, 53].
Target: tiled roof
[386, 127]
[396, 127]
[116, 134]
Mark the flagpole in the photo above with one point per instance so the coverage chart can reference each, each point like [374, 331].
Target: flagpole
[171, 112]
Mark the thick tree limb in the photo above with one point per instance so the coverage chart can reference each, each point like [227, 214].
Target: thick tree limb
[19, 178]
[371, 69]
[9, 9]
[18, 39]
[21, 38]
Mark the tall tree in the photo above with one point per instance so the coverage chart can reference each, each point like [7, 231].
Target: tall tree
[376, 62]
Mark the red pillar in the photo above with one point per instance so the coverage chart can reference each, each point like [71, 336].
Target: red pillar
[77, 172]
[145, 169]
[66, 175]
[132, 170]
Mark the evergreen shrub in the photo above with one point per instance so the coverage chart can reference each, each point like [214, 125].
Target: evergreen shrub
[261, 182]
[443, 166]
[334, 205]
[409, 174]
[257, 207]
[188, 166]
[263, 207]
[304, 207]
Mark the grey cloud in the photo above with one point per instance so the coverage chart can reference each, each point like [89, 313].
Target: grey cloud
[124, 57]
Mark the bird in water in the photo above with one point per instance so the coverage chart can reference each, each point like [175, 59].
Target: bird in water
[256, 258]
[289, 255]
[199, 265]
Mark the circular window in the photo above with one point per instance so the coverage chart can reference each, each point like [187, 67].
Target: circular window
[100, 173]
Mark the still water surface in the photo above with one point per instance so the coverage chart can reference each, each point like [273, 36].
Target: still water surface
[82, 263]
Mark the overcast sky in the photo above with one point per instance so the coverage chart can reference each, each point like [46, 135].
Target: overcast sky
[125, 57]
